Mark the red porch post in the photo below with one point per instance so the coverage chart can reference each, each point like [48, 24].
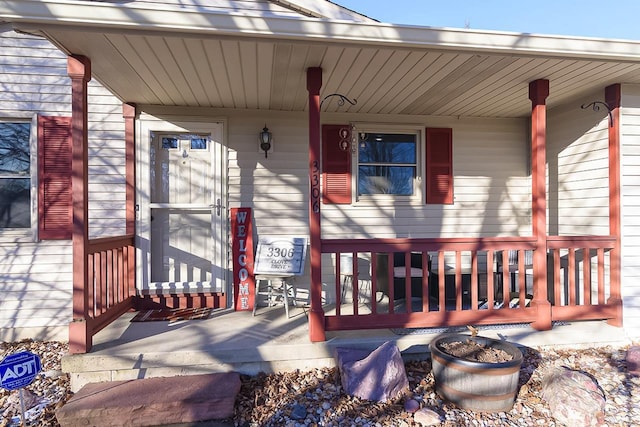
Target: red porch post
[129, 114]
[538, 93]
[80, 333]
[316, 316]
[612, 97]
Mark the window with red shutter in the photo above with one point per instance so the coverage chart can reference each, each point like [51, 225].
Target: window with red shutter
[336, 164]
[439, 165]
[387, 164]
[15, 177]
[54, 178]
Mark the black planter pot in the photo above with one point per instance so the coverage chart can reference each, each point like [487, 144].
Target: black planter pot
[478, 386]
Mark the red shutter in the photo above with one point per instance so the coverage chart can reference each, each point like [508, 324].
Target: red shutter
[54, 178]
[439, 164]
[336, 164]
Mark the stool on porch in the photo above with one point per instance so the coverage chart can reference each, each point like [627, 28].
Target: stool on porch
[275, 288]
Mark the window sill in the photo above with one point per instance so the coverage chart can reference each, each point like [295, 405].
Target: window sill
[388, 201]
[16, 236]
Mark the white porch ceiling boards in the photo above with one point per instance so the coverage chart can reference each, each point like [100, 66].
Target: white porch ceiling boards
[225, 60]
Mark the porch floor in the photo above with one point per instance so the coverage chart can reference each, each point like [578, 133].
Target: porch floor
[268, 342]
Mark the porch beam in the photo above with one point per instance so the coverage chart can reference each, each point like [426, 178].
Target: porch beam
[316, 315]
[613, 100]
[80, 329]
[538, 93]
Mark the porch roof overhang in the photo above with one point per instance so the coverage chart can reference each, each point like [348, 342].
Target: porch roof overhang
[153, 54]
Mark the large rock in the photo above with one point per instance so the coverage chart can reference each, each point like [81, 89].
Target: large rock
[377, 376]
[575, 398]
[152, 401]
[633, 360]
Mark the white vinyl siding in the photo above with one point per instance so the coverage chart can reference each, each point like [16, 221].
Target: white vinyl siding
[36, 289]
[491, 184]
[492, 190]
[630, 187]
[275, 187]
[578, 170]
[106, 163]
[33, 76]
[36, 277]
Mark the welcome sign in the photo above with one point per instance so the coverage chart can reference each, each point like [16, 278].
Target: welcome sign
[242, 250]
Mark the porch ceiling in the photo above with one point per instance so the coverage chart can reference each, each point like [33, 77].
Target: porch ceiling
[230, 61]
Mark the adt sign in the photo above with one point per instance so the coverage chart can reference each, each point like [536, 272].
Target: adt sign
[19, 370]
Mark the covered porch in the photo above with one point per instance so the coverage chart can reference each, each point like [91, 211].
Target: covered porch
[447, 75]
[538, 279]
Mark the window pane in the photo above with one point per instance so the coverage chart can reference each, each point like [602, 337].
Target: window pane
[387, 163]
[386, 180]
[169, 143]
[387, 148]
[14, 149]
[15, 176]
[198, 144]
[14, 203]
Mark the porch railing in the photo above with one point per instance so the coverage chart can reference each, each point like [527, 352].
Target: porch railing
[584, 279]
[461, 282]
[109, 290]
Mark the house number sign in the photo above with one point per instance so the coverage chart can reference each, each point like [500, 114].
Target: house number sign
[281, 256]
[315, 187]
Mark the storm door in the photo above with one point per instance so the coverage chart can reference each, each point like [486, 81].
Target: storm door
[186, 212]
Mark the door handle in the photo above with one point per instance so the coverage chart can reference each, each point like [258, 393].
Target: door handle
[218, 207]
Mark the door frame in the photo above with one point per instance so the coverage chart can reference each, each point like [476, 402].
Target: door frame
[147, 124]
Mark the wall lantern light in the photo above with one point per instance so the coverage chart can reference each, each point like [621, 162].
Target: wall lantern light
[266, 139]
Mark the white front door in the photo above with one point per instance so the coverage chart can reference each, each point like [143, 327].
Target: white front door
[186, 233]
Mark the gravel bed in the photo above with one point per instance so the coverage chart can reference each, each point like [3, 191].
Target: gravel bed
[315, 398]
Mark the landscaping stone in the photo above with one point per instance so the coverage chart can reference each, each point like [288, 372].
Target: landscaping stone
[427, 417]
[633, 360]
[575, 398]
[299, 412]
[152, 401]
[411, 405]
[379, 376]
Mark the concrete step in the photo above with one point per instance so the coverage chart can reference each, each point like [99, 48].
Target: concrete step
[194, 400]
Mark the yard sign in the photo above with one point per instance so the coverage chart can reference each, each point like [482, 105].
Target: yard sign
[19, 370]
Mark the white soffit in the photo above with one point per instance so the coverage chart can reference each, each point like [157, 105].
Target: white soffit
[153, 53]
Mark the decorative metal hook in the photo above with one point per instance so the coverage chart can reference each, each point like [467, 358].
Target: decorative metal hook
[341, 101]
[595, 105]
